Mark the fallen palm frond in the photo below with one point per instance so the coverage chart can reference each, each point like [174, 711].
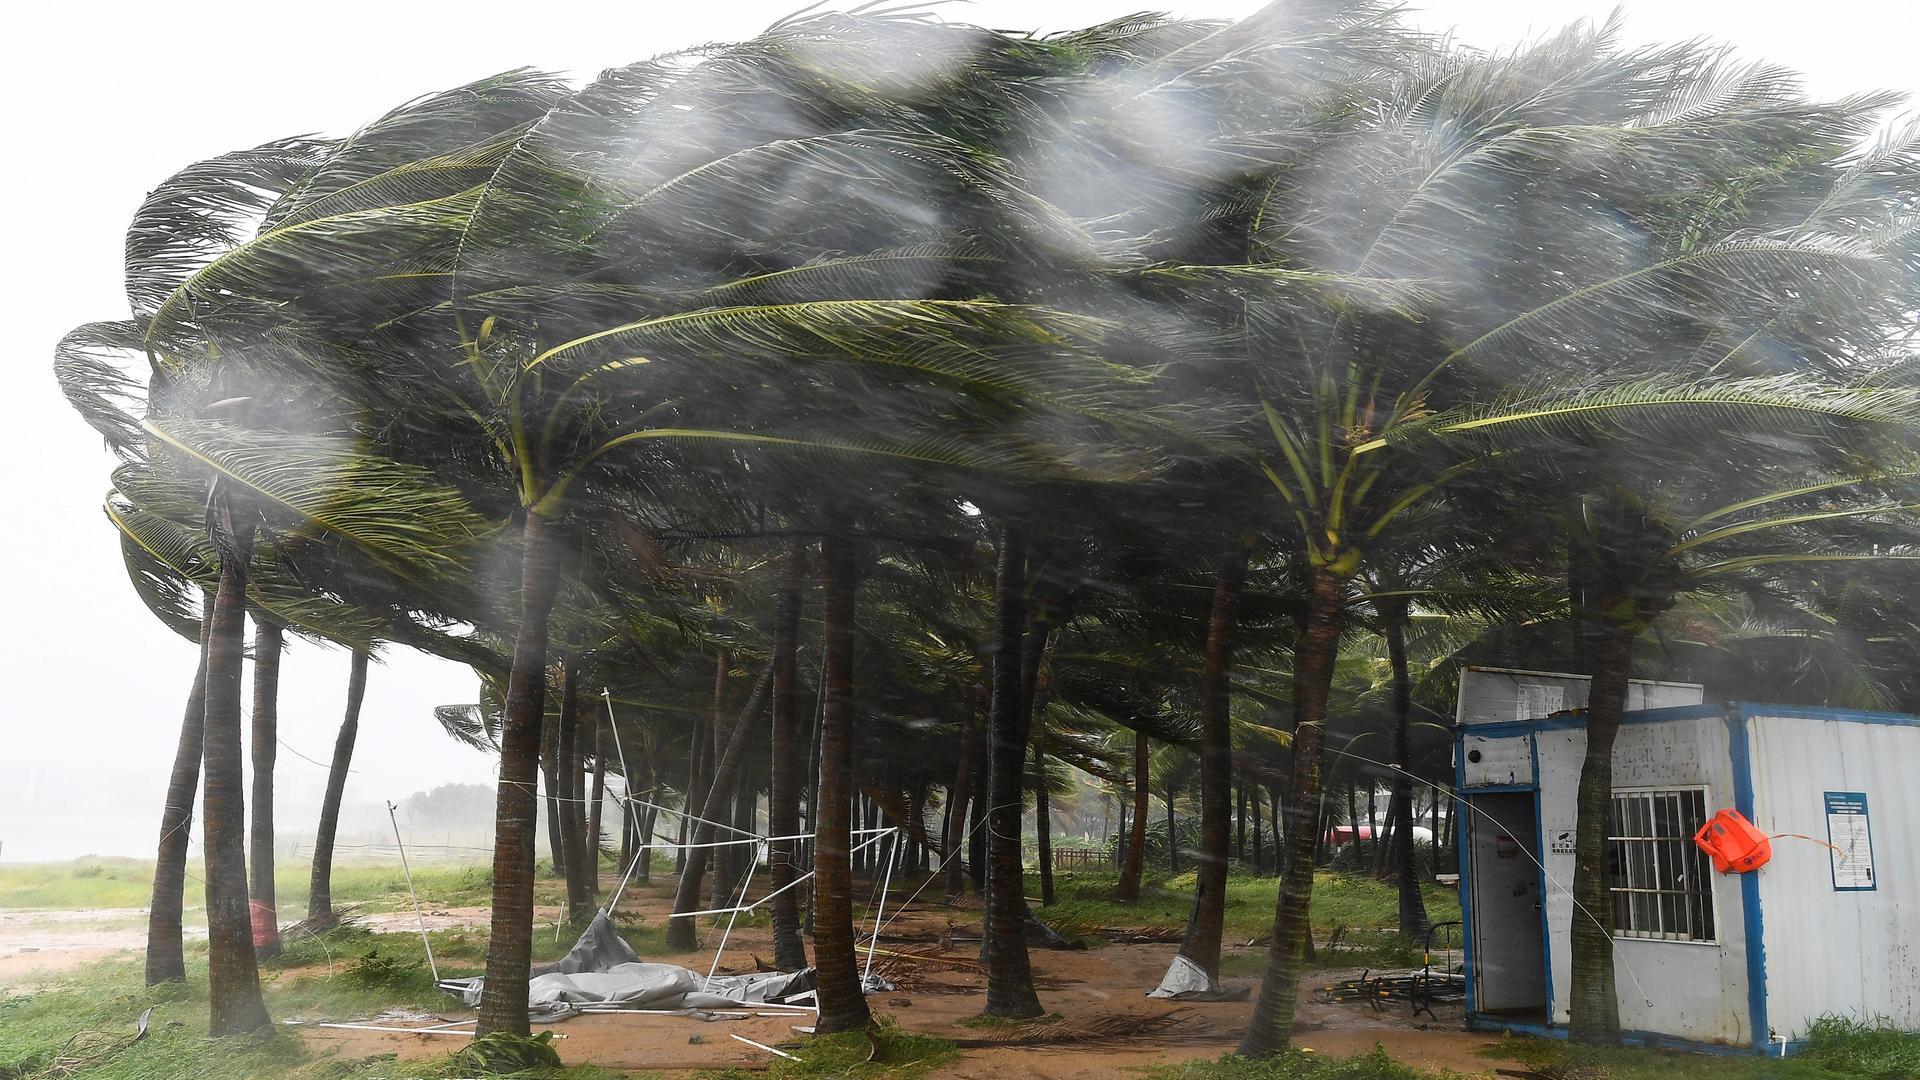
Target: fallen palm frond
[87, 1049]
[1141, 935]
[925, 958]
[1173, 1026]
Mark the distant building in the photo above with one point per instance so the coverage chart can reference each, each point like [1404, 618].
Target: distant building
[1828, 927]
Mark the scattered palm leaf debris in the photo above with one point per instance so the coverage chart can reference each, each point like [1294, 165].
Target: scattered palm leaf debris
[87, 1049]
[1173, 1026]
[1141, 935]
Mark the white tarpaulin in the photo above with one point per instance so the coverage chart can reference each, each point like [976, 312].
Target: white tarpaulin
[601, 970]
[1188, 981]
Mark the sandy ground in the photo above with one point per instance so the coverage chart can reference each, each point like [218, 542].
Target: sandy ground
[931, 997]
[936, 999]
[35, 942]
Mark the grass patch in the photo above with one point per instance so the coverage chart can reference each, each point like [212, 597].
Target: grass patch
[896, 1054]
[1365, 912]
[376, 886]
[1835, 1050]
[1294, 1065]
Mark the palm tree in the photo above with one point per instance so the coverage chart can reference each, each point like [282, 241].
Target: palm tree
[268, 641]
[320, 886]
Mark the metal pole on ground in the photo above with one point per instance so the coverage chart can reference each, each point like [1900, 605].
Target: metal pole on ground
[411, 895]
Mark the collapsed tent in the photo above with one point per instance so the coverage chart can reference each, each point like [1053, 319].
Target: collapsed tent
[602, 973]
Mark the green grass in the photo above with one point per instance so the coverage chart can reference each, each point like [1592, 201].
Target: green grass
[1835, 1050]
[1361, 911]
[375, 886]
[1294, 1065]
[901, 1054]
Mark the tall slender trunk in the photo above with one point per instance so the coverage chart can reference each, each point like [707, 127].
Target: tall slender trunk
[783, 795]
[719, 858]
[1201, 943]
[976, 817]
[1240, 823]
[1135, 862]
[1272, 1023]
[1042, 802]
[1593, 1001]
[1413, 907]
[598, 798]
[959, 793]
[550, 774]
[1009, 974]
[699, 744]
[596, 802]
[268, 641]
[233, 976]
[582, 866]
[503, 1001]
[686, 896]
[1173, 841]
[165, 962]
[1042, 820]
[1259, 854]
[843, 1004]
[648, 821]
[320, 886]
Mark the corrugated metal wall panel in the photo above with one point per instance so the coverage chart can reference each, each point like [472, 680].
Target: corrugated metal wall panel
[1497, 695]
[1829, 951]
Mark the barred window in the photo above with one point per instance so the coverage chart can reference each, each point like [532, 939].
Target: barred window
[1661, 882]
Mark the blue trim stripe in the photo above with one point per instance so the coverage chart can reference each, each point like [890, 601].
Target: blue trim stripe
[1742, 759]
[1651, 1039]
[1508, 728]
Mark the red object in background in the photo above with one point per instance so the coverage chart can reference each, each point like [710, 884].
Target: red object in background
[265, 930]
[1347, 834]
[1736, 844]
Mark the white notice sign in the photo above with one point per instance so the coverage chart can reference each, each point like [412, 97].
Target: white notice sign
[1852, 840]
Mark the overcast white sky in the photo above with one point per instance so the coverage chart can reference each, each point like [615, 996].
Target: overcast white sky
[109, 99]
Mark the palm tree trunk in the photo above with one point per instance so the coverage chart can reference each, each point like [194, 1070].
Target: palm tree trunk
[1259, 854]
[1201, 943]
[320, 887]
[596, 802]
[1042, 803]
[268, 641]
[843, 1004]
[1593, 1001]
[1042, 820]
[581, 867]
[1413, 907]
[783, 796]
[550, 778]
[233, 977]
[1173, 843]
[958, 795]
[686, 896]
[648, 820]
[1272, 1024]
[503, 1000]
[976, 817]
[1009, 974]
[1132, 866]
[165, 961]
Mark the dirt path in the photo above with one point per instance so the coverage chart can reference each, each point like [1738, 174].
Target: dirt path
[938, 998]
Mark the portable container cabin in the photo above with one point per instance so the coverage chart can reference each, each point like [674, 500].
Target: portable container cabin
[1704, 959]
